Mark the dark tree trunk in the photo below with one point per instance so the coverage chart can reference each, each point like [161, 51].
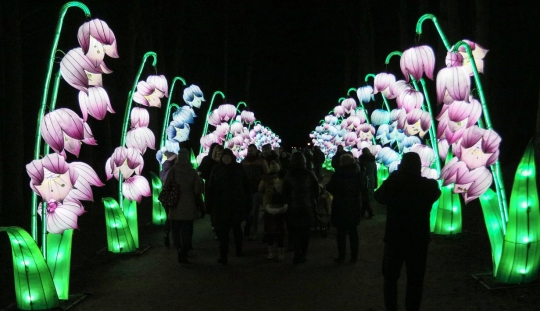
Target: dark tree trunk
[14, 205]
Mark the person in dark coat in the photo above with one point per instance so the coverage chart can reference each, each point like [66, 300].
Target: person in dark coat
[229, 197]
[256, 169]
[284, 160]
[318, 160]
[346, 185]
[409, 198]
[165, 168]
[335, 159]
[186, 211]
[300, 193]
[369, 167]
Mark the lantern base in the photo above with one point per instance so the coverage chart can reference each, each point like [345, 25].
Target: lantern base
[139, 251]
[489, 282]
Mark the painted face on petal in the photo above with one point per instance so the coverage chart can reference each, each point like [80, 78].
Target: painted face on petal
[474, 156]
[182, 134]
[54, 186]
[366, 136]
[197, 101]
[413, 129]
[96, 50]
[154, 98]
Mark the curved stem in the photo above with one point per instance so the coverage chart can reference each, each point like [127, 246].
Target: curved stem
[168, 111]
[240, 104]
[369, 75]
[54, 96]
[398, 53]
[434, 19]
[349, 91]
[233, 120]
[341, 99]
[432, 131]
[208, 112]
[63, 10]
[497, 170]
[127, 116]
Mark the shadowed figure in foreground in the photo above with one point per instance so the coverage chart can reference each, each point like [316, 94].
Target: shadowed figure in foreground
[409, 198]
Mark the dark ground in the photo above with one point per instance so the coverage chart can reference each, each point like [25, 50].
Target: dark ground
[154, 280]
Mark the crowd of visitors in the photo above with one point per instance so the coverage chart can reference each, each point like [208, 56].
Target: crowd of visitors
[283, 192]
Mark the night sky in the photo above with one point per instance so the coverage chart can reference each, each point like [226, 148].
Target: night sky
[305, 55]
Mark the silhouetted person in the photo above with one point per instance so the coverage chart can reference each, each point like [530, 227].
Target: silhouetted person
[256, 169]
[335, 159]
[346, 185]
[284, 159]
[409, 198]
[318, 160]
[369, 167]
[300, 192]
[228, 197]
[186, 211]
[165, 169]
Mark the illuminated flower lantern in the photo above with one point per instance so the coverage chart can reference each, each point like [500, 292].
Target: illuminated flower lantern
[410, 99]
[365, 94]
[382, 83]
[349, 105]
[140, 136]
[417, 122]
[64, 130]
[129, 163]
[380, 117]
[96, 40]
[454, 119]
[428, 157]
[247, 117]
[453, 83]
[366, 132]
[416, 61]
[339, 111]
[461, 58]
[397, 88]
[62, 185]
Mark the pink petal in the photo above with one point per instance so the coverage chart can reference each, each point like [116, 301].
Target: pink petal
[86, 174]
[135, 187]
[160, 82]
[139, 117]
[455, 81]
[140, 99]
[74, 67]
[101, 32]
[95, 103]
[140, 139]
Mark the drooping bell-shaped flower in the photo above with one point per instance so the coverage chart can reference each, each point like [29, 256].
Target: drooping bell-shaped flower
[455, 118]
[379, 117]
[410, 99]
[124, 160]
[61, 216]
[470, 183]
[140, 137]
[395, 89]
[453, 83]
[351, 124]
[136, 187]
[61, 126]
[148, 95]
[386, 156]
[207, 140]
[178, 131]
[97, 39]
[184, 114]
[416, 61]
[348, 104]
[478, 147]
[408, 142]
[366, 132]
[339, 111]
[226, 112]
[95, 102]
[80, 72]
[382, 83]
[365, 93]
[160, 82]
[350, 139]
[51, 177]
[417, 122]
[461, 58]
[193, 96]
[247, 117]
[427, 155]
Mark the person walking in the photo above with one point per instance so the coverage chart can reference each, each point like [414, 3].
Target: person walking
[335, 159]
[275, 208]
[205, 169]
[256, 169]
[369, 167]
[165, 168]
[409, 198]
[229, 198]
[186, 211]
[346, 186]
[300, 193]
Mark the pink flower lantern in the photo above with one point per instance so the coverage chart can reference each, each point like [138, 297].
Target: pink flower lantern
[453, 83]
[382, 83]
[416, 61]
[97, 39]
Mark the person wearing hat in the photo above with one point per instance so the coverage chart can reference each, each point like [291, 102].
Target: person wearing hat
[275, 208]
[408, 197]
[186, 211]
[346, 186]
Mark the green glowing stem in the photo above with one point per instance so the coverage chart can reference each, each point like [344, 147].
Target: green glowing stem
[395, 53]
[208, 112]
[340, 100]
[37, 144]
[349, 91]
[233, 120]
[127, 115]
[168, 111]
[370, 75]
[52, 106]
[485, 113]
[434, 19]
